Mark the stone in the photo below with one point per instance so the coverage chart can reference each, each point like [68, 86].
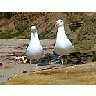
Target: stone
[1, 64]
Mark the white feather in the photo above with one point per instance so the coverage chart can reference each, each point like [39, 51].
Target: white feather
[34, 50]
[63, 46]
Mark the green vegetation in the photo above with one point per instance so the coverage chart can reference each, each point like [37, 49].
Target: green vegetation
[7, 36]
[43, 36]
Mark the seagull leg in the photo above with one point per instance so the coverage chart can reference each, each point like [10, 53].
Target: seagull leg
[62, 60]
[49, 62]
[30, 66]
[65, 60]
[36, 67]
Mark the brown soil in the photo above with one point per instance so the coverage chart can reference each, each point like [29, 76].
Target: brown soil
[73, 75]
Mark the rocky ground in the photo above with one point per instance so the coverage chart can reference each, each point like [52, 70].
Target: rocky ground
[80, 28]
[9, 48]
[72, 75]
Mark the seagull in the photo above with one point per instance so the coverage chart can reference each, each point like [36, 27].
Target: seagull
[34, 50]
[63, 46]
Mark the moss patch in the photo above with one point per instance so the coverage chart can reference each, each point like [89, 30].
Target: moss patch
[7, 36]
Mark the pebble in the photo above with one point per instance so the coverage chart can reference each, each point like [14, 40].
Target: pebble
[55, 67]
[72, 67]
[1, 64]
[44, 69]
[49, 68]
[1, 75]
[24, 71]
[9, 78]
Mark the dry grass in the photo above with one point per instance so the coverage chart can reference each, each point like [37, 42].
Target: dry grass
[74, 75]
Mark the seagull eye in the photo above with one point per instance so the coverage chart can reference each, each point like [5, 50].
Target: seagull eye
[60, 21]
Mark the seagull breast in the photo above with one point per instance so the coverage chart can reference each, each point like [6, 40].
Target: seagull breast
[63, 46]
[34, 50]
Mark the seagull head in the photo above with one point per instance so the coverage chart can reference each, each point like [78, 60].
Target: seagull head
[33, 29]
[59, 23]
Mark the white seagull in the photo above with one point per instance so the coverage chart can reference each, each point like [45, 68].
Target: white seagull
[34, 50]
[63, 46]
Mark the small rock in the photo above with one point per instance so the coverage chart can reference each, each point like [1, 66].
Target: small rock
[55, 67]
[1, 75]
[24, 71]
[9, 78]
[57, 61]
[52, 60]
[1, 64]
[72, 67]
[49, 68]
[44, 69]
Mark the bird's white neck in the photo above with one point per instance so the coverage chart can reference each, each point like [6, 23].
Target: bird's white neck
[32, 35]
[61, 29]
[61, 32]
[35, 35]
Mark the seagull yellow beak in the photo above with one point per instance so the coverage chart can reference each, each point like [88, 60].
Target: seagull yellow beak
[56, 25]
